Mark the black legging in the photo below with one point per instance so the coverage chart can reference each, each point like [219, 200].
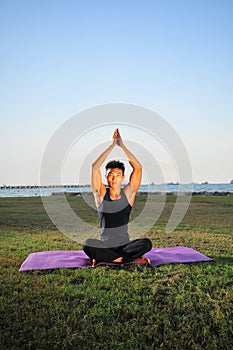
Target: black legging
[97, 250]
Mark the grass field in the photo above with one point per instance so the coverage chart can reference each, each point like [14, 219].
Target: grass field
[176, 306]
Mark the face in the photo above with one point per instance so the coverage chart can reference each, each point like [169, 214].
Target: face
[114, 177]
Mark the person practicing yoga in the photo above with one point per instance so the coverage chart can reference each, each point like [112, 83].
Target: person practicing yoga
[114, 205]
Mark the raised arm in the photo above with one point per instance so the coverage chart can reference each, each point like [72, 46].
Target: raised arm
[98, 188]
[136, 175]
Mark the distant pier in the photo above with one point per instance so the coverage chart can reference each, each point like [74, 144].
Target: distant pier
[18, 187]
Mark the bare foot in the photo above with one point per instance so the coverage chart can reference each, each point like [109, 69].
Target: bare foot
[142, 261]
[118, 260]
[93, 263]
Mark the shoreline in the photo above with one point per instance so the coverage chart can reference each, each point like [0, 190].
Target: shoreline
[140, 193]
[202, 193]
[85, 190]
[19, 187]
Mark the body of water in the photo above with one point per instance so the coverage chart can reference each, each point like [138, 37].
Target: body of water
[153, 188]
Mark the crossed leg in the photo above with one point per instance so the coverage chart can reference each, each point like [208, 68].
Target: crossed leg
[132, 251]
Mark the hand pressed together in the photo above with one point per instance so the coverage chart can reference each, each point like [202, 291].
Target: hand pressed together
[117, 140]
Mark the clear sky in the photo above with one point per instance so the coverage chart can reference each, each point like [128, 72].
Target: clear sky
[60, 57]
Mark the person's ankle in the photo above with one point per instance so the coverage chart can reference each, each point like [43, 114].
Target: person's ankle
[142, 260]
[118, 260]
[93, 263]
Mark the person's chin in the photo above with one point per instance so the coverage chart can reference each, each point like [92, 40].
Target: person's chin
[114, 185]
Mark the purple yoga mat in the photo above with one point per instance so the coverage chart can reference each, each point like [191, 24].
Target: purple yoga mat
[55, 259]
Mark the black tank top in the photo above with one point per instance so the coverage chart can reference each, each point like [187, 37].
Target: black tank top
[114, 218]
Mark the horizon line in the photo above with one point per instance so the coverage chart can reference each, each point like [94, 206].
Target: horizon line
[2, 186]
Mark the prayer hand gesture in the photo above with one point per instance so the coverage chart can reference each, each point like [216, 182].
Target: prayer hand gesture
[117, 140]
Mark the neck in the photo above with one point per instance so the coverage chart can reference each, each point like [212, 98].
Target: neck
[115, 193]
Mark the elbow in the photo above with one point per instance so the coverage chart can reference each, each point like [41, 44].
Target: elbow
[139, 170]
[139, 167]
[94, 167]
[136, 165]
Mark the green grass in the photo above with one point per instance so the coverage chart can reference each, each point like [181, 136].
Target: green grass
[176, 306]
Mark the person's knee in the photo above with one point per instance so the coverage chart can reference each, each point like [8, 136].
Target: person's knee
[148, 243]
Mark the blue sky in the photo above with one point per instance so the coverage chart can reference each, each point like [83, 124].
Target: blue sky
[61, 57]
